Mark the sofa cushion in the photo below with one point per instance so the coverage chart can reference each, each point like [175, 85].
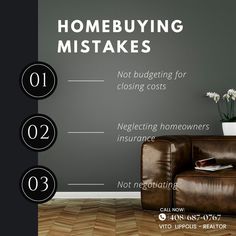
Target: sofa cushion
[208, 192]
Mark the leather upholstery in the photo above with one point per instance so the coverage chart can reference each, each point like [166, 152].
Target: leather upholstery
[171, 159]
[201, 191]
[160, 163]
[220, 147]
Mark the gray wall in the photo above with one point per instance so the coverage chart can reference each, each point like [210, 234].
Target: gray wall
[205, 50]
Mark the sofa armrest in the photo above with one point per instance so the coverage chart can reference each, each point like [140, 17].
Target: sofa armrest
[161, 160]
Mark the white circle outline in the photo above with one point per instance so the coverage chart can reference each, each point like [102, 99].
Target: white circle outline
[162, 216]
[38, 149]
[54, 81]
[36, 168]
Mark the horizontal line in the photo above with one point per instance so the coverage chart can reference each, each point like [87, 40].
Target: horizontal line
[86, 81]
[90, 132]
[96, 195]
[86, 184]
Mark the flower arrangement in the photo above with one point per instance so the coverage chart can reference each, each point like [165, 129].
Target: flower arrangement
[229, 99]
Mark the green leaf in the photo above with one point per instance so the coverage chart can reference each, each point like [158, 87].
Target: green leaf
[233, 119]
[226, 116]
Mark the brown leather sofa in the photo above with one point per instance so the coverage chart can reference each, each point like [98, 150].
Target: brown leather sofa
[169, 179]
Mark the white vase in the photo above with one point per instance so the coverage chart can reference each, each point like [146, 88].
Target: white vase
[229, 128]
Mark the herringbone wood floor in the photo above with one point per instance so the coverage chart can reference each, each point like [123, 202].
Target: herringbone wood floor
[112, 217]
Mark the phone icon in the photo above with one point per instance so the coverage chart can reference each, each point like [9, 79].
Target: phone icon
[162, 216]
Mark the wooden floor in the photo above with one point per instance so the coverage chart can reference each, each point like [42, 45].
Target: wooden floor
[113, 217]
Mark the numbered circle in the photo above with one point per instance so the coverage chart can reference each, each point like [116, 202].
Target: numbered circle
[38, 132]
[38, 80]
[38, 184]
